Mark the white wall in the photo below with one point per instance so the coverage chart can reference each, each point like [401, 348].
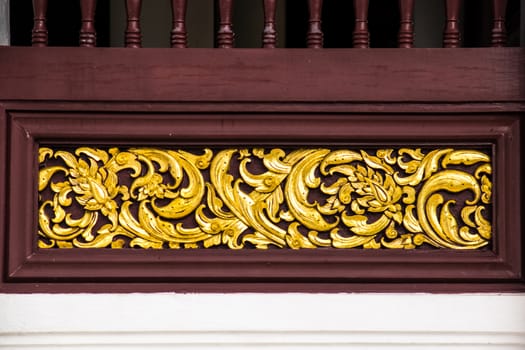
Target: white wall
[262, 321]
[4, 23]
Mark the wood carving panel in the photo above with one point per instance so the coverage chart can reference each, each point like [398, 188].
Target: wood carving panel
[257, 197]
[225, 200]
[286, 114]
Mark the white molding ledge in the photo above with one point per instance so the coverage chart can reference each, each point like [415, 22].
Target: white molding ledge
[262, 321]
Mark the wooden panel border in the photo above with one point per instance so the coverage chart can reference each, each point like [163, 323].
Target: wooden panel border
[120, 270]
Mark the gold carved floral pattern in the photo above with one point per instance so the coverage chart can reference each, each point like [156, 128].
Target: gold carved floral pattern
[246, 198]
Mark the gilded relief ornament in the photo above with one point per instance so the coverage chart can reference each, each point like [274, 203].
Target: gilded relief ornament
[259, 198]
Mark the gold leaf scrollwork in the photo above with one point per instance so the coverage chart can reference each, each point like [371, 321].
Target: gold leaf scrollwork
[239, 198]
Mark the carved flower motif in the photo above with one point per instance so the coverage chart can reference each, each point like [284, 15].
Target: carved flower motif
[366, 190]
[376, 194]
[96, 188]
[154, 188]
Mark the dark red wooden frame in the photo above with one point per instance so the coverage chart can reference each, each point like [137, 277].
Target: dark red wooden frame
[216, 98]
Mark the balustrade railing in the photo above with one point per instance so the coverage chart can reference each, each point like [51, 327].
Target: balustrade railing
[314, 36]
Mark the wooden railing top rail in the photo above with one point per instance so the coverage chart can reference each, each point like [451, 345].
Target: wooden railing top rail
[225, 35]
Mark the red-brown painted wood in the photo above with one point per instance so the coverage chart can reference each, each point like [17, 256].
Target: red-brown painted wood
[431, 96]
[189, 286]
[3, 189]
[269, 39]
[179, 36]
[133, 34]
[314, 37]
[39, 33]
[225, 35]
[451, 34]
[307, 270]
[406, 27]
[499, 32]
[404, 108]
[88, 35]
[361, 36]
[480, 75]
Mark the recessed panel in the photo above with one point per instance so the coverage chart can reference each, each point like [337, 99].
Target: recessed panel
[259, 202]
[381, 197]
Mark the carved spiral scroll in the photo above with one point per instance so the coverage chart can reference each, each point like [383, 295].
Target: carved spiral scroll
[261, 198]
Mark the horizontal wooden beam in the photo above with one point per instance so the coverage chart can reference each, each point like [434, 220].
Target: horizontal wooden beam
[328, 76]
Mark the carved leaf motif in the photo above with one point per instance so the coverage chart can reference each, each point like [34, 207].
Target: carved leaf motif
[304, 198]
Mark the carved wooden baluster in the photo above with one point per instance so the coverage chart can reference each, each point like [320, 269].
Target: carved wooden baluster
[499, 33]
[452, 36]
[406, 28]
[314, 38]
[88, 35]
[361, 36]
[225, 35]
[39, 33]
[179, 36]
[269, 33]
[133, 32]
